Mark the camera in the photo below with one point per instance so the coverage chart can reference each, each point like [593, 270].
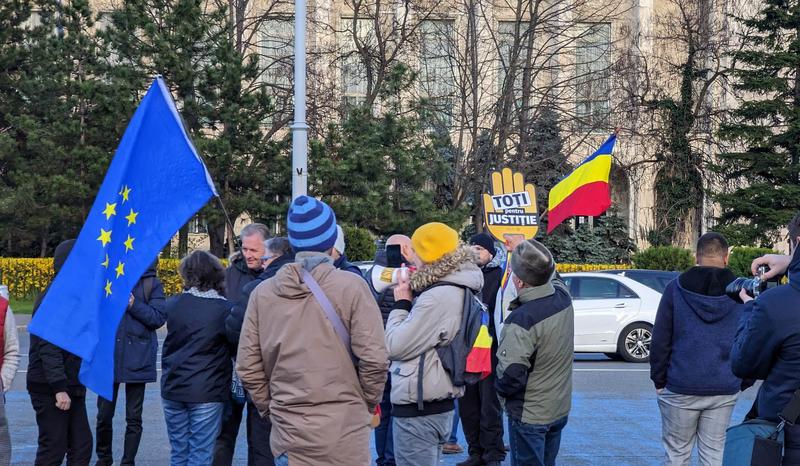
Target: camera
[752, 286]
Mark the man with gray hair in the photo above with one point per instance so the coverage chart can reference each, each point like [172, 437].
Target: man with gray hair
[244, 267]
[534, 370]
[278, 253]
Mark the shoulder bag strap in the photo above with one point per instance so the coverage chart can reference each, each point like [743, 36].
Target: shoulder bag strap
[330, 312]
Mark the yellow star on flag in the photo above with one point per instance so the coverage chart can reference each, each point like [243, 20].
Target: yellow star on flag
[105, 237]
[129, 244]
[120, 269]
[131, 217]
[108, 288]
[111, 209]
[105, 262]
[126, 191]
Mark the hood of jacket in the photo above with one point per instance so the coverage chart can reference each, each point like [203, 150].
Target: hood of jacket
[457, 267]
[152, 270]
[61, 253]
[702, 289]
[707, 281]
[288, 283]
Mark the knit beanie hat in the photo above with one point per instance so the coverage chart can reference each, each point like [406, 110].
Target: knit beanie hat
[339, 244]
[311, 225]
[434, 240]
[485, 241]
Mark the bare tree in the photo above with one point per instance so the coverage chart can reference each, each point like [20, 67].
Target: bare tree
[675, 84]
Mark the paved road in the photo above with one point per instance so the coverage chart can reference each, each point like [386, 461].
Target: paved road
[614, 419]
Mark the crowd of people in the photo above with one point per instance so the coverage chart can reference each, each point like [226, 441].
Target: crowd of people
[319, 353]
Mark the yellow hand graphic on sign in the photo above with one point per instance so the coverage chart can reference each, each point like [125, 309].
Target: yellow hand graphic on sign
[510, 209]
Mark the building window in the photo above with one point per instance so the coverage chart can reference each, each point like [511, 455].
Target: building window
[276, 48]
[592, 68]
[354, 71]
[197, 225]
[437, 77]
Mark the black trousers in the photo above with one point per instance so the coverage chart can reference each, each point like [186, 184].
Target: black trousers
[482, 420]
[62, 433]
[134, 401]
[258, 432]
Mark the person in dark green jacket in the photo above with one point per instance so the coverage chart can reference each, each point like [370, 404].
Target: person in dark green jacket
[534, 370]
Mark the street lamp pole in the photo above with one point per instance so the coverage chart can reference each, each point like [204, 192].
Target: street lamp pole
[299, 127]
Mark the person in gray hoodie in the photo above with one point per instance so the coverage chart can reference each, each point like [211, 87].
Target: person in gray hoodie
[422, 393]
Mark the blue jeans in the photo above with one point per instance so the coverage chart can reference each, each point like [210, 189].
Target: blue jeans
[454, 430]
[282, 460]
[384, 446]
[192, 429]
[533, 444]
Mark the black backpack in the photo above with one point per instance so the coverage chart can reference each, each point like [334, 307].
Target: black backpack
[454, 354]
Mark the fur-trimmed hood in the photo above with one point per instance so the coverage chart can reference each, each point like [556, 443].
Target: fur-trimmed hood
[457, 267]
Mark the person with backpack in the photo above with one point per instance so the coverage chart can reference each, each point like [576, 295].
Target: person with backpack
[311, 353]
[135, 353]
[534, 368]
[423, 393]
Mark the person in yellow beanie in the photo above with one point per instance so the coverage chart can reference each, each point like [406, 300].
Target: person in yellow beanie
[423, 407]
[434, 240]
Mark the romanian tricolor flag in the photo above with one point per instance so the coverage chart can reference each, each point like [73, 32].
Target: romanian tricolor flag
[479, 359]
[585, 191]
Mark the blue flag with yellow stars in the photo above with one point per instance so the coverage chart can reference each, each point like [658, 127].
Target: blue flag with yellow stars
[154, 185]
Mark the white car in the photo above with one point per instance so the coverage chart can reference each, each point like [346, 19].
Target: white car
[613, 315]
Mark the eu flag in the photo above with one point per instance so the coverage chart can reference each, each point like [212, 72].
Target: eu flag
[154, 185]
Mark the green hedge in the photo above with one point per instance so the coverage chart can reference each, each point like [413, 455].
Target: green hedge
[742, 257]
[359, 243]
[664, 258]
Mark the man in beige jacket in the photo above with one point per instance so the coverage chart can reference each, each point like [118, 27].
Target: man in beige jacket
[319, 394]
[422, 393]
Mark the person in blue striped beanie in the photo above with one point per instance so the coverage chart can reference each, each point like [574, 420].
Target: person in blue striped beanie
[311, 224]
[297, 369]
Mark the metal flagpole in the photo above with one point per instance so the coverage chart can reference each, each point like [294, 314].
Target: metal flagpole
[299, 127]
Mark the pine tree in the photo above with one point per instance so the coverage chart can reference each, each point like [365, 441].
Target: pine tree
[61, 128]
[223, 104]
[381, 172]
[765, 129]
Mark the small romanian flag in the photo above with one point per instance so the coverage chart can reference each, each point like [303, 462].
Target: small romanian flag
[479, 359]
[585, 191]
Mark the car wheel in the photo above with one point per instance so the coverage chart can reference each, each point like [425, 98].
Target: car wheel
[613, 356]
[634, 342]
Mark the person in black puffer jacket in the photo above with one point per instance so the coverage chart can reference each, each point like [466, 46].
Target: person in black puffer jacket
[134, 365]
[278, 253]
[244, 267]
[381, 279]
[196, 361]
[57, 396]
